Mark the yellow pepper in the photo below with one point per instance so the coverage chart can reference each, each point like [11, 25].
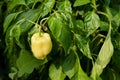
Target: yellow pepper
[41, 45]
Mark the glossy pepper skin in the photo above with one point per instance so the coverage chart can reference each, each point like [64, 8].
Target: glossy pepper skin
[41, 45]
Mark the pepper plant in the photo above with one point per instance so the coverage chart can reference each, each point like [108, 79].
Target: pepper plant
[83, 44]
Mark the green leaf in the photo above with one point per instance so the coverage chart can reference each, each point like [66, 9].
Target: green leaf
[9, 19]
[69, 65]
[9, 39]
[12, 37]
[33, 2]
[46, 7]
[30, 1]
[80, 38]
[15, 3]
[29, 18]
[108, 11]
[56, 73]
[92, 22]
[116, 56]
[81, 2]
[108, 74]
[60, 30]
[116, 18]
[104, 26]
[83, 45]
[107, 2]
[16, 31]
[72, 67]
[116, 41]
[116, 59]
[104, 56]
[26, 63]
[21, 25]
[64, 6]
[13, 74]
[79, 27]
[80, 75]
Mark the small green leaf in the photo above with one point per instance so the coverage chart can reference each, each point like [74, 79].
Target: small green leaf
[107, 2]
[79, 27]
[32, 1]
[26, 63]
[83, 45]
[46, 7]
[108, 11]
[104, 26]
[81, 2]
[116, 18]
[13, 74]
[17, 32]
[65, 6]
[92, 22]
[116, 42]
[56, 73]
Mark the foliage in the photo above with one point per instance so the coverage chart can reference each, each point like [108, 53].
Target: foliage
[85, 36]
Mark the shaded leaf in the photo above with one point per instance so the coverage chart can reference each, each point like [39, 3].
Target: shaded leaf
[83, 45]
[116, 18]
[74, 70]
[15, 3]
[80, 38]
[9, 39]
[28, 17]
[17, 32]
[81, 2]
[107, 2]
[80, 75]
[60, 30]
[12, 36]
[79, 27]
[8, 20]
[116, 59]
[104, 26]
[26, 63]
[108, 74]
[13, 74]
[56, 73]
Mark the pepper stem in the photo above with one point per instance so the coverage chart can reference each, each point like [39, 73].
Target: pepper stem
[40, 30]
